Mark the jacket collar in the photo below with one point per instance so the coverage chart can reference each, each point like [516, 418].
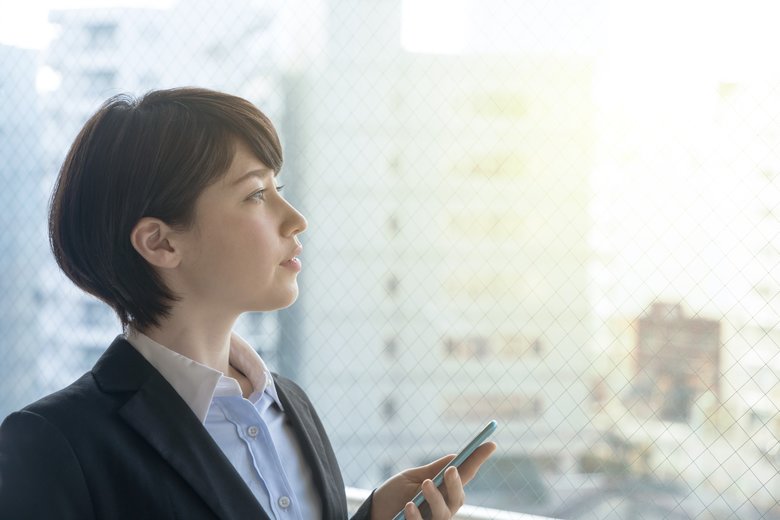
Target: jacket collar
[157, 413]
[305, 424]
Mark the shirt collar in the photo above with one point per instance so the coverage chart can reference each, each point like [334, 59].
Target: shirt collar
[198, 384]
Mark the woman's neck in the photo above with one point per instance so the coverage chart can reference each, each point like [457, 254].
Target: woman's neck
[200, 338]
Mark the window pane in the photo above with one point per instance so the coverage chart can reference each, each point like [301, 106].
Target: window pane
[561, 215]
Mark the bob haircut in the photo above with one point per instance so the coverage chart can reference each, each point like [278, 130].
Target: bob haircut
[147, 157]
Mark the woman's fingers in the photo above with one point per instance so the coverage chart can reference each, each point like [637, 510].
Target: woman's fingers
[456, 496]
[429, 470]
[444, 502]
[411, 512]
[439, 508]
[467, 470]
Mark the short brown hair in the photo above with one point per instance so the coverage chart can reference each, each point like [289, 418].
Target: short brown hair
[146, 157]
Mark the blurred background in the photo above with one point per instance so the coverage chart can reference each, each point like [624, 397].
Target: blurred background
[561, 214]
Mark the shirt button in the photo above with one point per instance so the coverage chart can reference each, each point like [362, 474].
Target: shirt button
[284, 502]
[252, 431]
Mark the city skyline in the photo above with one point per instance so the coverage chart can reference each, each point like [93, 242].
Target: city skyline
[487, 228]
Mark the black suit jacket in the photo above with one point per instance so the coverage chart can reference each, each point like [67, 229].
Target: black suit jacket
[119, 443]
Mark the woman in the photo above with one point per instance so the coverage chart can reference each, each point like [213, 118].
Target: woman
[168, 209]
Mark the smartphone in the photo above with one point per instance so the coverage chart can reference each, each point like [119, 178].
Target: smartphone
[481, 437]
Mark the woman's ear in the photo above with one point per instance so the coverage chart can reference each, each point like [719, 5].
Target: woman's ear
[151, 237]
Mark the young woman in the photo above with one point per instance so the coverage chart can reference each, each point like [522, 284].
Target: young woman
[168, 209]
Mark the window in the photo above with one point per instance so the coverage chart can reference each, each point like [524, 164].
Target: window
[391, 348]
[388, 409]
[101, 35]
[392, 283]
[97, 314]
[515, 217]
[101, 82]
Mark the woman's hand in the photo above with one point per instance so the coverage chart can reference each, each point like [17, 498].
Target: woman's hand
[395, 494]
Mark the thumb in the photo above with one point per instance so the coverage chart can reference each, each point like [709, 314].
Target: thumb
[421, 473]
[467, 470]
[471, 465]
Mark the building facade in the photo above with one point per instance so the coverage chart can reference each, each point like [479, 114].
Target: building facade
[446, 276]
[23, 224]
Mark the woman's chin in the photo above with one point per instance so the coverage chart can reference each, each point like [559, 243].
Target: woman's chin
[281, 301]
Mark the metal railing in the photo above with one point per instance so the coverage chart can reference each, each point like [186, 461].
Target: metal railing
[356, 496]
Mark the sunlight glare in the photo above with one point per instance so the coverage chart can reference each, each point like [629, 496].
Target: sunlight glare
[434, 26]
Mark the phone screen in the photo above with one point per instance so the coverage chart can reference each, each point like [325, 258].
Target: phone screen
[477, 441]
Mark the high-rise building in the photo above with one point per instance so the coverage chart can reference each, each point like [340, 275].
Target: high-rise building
[22, 221]
[445, 277]
[97, 53]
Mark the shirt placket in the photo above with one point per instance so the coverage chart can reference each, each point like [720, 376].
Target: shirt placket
[253, 431]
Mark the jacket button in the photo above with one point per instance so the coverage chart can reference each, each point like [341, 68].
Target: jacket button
[284, 502]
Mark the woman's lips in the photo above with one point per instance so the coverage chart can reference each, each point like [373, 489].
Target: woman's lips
[293, 263]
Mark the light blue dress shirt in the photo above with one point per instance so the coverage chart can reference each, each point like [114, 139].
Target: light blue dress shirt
[255, 436]
[252, 432]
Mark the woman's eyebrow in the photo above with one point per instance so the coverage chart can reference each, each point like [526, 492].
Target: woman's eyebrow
[261, 174]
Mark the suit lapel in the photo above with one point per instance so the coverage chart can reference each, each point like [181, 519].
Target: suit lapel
[163, 419]
[311, 442]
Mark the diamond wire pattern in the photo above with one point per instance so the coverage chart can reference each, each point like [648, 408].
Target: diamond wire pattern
[723, 466]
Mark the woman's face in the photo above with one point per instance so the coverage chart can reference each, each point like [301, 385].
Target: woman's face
[240, 254]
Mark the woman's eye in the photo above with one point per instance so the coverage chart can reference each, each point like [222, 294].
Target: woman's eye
[260, 194]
